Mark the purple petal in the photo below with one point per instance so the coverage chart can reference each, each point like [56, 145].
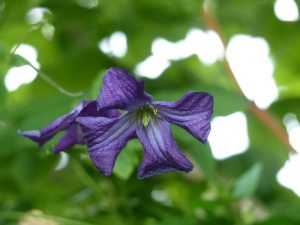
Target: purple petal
[72, 136]
[121, 90]
[90, 108]
[193, 112]
[105, 138]
[85, 108]
[161, 153]
[45, 134]
[34, 135]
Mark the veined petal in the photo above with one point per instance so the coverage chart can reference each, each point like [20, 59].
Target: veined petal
[193, 112]
[121, 90]
[72, 136]
[45, 134]
[161, 153]
[105, 138]
[90, 108]
[85, 108]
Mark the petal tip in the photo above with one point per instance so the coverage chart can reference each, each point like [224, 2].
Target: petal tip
[29, 133]
[116, 73]
[34, 135]
[143, 174]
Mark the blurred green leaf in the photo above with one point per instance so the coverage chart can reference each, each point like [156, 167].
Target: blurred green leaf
[73, 58]
[127, 160]
[205, 160]
[246, 185]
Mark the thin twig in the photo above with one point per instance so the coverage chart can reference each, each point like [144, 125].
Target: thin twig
[44, 76]
[13, 51]
[265, 117]
[54, 84]
[269, 121]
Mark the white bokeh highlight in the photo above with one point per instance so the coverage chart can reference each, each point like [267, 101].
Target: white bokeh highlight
[168, 50]
[17, 76]
[206, 45]
[293, 128]
[288, 176]
[115, 45]
[29, 53]
[36, 15]
[250, 60]
[25, 74]
[48, 31]
[63, 161]
[152, 67]
[229, 135]
[286, 10]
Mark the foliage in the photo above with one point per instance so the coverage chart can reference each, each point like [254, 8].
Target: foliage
[216, 192]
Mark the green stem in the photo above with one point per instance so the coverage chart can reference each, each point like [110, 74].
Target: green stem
[47, 79]
[44, 76]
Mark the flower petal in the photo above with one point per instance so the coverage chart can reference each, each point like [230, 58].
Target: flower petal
[85, 108]
[161, 153]
[90, 108]
[105, 138]
[45, 134]
[193, 112]
[121, 90]
[72, 136]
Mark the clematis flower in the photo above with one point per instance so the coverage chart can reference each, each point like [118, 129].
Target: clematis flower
[145, 119]
[73, 134]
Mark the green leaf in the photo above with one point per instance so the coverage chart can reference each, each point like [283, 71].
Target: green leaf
[246, 185]
[127, 160]
[205, 160]
[200, 153]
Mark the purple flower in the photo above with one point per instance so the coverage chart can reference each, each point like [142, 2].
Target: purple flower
[73, 133]
[145, 119]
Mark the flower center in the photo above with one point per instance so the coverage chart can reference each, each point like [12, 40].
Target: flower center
[145, 114]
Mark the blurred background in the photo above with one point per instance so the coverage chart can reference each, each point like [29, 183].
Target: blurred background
[53, 54]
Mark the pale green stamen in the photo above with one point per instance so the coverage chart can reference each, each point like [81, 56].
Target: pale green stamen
[145, 114]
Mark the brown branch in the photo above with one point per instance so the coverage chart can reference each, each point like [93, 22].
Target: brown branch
[265, 117]
[271, 123]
